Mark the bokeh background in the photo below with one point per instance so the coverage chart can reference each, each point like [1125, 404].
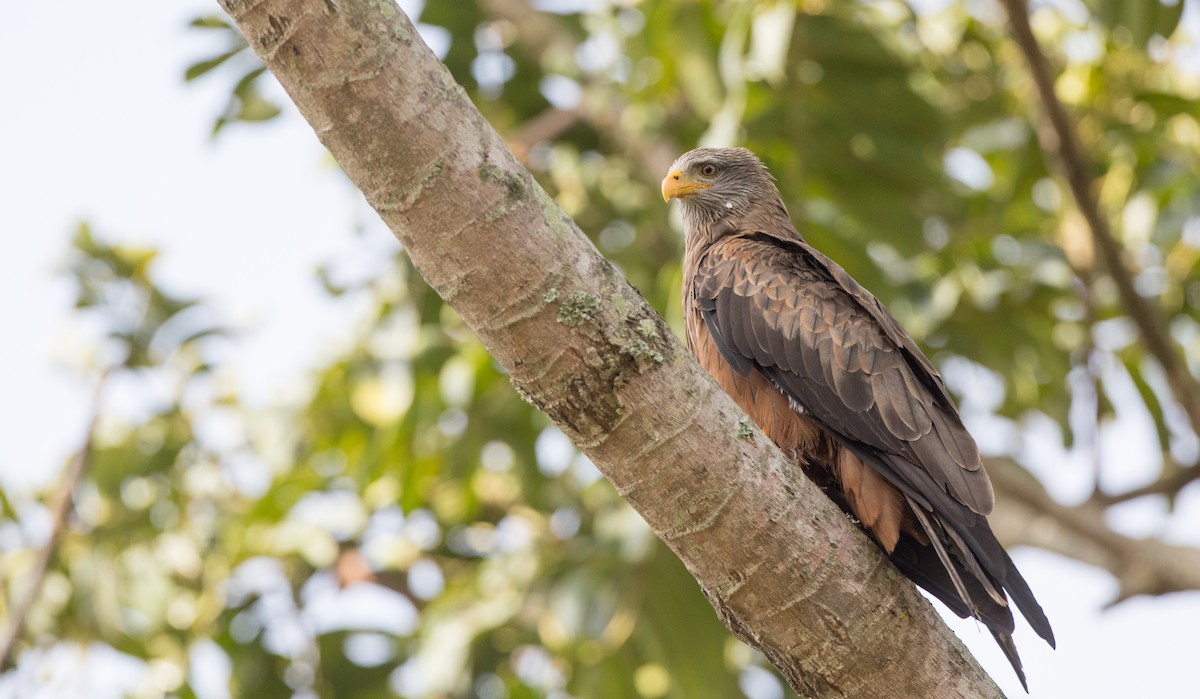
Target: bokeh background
[297, 474]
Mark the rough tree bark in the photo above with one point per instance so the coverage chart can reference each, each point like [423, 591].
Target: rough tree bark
[785, 570]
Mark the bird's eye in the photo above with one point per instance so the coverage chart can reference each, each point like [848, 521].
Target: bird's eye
[708, 170]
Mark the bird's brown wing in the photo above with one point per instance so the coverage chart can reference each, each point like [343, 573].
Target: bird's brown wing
[780, 308]
[827, 343]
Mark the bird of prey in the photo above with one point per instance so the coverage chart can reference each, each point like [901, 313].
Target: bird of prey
[834, 380]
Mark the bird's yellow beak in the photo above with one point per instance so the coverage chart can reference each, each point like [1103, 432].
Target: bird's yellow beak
[676, 185]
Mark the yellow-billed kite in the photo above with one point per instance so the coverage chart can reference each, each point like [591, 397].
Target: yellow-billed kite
[834, 380]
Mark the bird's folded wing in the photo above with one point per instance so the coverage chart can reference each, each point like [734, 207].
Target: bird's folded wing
[784, 309]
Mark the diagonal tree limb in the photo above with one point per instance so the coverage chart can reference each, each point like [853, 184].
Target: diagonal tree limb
[60, 507]
[783, 567]
[1058, 137]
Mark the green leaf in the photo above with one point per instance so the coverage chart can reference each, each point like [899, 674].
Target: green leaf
[6, 508]
[197, 69]
[209, 22]
[257, 108]
[1141, 18]
[245, 87]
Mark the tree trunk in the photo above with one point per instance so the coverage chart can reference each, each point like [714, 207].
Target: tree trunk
[784, 568]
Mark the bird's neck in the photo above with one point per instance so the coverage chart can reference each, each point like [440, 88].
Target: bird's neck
[704, 226]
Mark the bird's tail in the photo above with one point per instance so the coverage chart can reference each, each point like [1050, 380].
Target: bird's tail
[940, 569]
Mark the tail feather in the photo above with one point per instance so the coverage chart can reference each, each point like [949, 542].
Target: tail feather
[967, 589]
[918, 564]
[943, 555]
[1005, 641]
[1022, 596]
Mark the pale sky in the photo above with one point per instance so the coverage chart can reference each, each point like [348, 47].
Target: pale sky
[99, 126]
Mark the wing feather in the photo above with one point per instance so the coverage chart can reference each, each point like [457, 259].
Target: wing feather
[848, 381]
[830, 346]
[760, 337]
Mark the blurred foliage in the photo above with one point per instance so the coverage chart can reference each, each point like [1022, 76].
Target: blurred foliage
[414, 529]
[246, 101]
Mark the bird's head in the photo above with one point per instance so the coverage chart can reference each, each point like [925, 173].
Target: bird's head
[715, 183]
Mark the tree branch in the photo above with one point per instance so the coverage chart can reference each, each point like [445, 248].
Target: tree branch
[60, 507]
[1026, 514]
[546, 126]
[1169, 485]
[781, 564]
[1058, 137]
